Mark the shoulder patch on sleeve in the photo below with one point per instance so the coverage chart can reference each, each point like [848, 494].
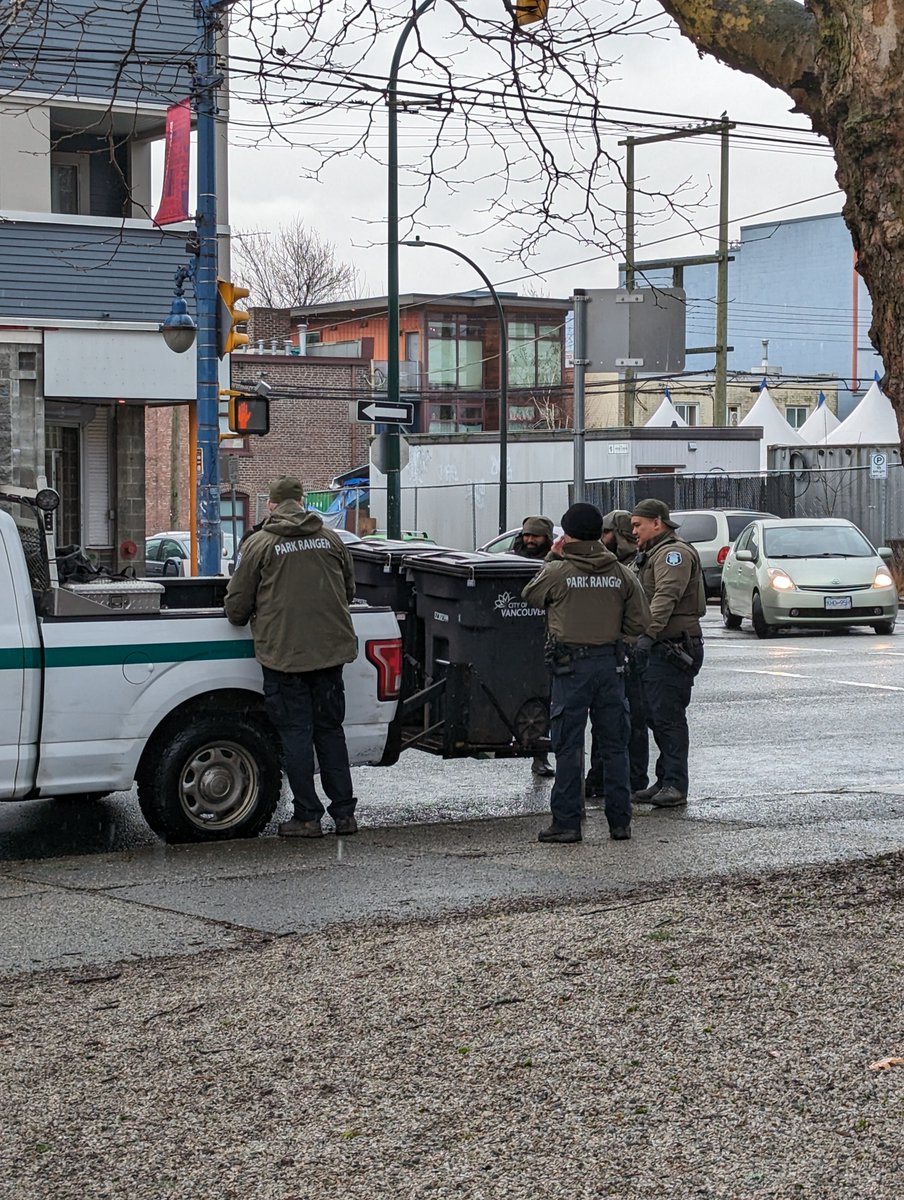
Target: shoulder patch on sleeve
[673, 558]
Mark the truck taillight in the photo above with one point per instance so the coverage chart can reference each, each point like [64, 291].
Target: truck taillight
[722, 555]
[386, 656]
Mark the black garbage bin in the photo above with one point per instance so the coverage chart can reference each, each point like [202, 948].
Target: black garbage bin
[483, 655]
[382, 578]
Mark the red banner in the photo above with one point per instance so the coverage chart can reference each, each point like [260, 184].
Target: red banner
[174, 201]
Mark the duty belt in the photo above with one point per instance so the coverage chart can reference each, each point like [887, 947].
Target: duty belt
[580, 650]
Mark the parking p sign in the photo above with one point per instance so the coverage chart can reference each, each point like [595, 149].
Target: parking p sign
[878, 465]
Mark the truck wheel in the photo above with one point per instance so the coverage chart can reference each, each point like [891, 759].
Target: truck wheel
[218, 778]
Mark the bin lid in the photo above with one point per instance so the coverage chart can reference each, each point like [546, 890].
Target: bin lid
[474, 564]
[390, 550]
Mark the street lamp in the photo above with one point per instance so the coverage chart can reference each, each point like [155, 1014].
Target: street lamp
[393, 454]
[179, 329]
[503, 374]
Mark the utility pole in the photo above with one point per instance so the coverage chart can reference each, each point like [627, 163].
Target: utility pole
[630, 383]
[720, 397]
[580, 301]
[722, 259]
[207, 450]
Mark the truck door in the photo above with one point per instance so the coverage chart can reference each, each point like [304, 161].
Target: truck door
[12, 674]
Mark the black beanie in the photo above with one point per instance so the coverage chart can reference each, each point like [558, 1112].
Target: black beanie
[584, 522]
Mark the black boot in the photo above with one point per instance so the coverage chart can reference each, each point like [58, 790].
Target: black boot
[557, 833]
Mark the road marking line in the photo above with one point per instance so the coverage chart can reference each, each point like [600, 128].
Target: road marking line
[881, 687]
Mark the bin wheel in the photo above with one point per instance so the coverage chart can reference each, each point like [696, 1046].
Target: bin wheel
[532, 721]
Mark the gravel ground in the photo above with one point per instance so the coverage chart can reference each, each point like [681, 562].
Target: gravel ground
[700, 1040]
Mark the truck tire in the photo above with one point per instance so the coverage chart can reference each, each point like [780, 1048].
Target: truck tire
[218, 777]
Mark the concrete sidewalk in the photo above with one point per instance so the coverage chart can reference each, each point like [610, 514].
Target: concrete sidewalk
[86, 911]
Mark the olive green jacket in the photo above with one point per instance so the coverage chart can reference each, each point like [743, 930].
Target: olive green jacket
[294, 581]
[589, 597]
[672, 579]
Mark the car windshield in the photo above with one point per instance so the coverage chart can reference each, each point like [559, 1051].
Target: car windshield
[816, 541]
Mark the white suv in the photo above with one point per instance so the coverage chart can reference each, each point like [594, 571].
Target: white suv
[712, 532]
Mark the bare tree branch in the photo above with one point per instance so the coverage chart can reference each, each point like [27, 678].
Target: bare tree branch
[291, 268]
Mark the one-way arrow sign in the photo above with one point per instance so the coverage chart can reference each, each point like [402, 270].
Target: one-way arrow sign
[382, 412]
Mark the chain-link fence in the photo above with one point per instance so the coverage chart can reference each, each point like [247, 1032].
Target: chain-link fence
[874, 504]
[756, 493]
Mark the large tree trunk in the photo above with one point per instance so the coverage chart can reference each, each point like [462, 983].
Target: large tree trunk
[843, 65]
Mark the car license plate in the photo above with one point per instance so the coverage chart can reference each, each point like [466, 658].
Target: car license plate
[838, 601]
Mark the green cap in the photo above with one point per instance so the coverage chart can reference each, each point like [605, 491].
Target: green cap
[619, 521]
[654, 508]
[538, 527]
[287, 487]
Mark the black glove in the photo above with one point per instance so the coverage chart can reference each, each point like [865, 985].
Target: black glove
[643, 644]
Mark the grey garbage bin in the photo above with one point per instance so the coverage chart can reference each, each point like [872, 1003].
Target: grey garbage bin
[486, 644]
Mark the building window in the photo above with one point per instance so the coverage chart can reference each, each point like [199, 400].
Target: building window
[454, 352]
[233, 532]
[796, 414]
[690, 413]
[413, 347]
[463, 417]
[535, 353]
[522, 416]
[69, 190]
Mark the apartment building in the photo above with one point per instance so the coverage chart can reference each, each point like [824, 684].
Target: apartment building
[86, 276]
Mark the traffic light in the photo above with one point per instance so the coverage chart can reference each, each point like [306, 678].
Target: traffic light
[228, 316]
[248, 414]
[528, 11]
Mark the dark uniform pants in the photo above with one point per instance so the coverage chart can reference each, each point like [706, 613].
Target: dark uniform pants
[308, 708]
[596, 688]
[667, 687]
[638, 741]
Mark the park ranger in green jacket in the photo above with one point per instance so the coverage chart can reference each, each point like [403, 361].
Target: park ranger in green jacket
[294, 581]
[669, 654]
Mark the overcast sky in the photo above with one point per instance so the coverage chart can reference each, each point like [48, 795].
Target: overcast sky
[348, 204]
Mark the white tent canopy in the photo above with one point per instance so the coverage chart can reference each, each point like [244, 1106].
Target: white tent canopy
[666, 415]
[872, 423]
[819, 424]
[776, 430]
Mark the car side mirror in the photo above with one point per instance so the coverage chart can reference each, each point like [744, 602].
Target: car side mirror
[885, 552]
[744, 556]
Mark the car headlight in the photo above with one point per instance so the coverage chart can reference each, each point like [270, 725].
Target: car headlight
[883, 579]
[780, 580]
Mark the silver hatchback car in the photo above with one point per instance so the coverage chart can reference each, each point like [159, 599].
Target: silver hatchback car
[820, 572]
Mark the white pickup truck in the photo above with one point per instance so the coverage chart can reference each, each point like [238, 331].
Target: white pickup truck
[105, 683]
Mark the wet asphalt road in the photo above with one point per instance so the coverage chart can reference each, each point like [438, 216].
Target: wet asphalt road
[802, 714]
